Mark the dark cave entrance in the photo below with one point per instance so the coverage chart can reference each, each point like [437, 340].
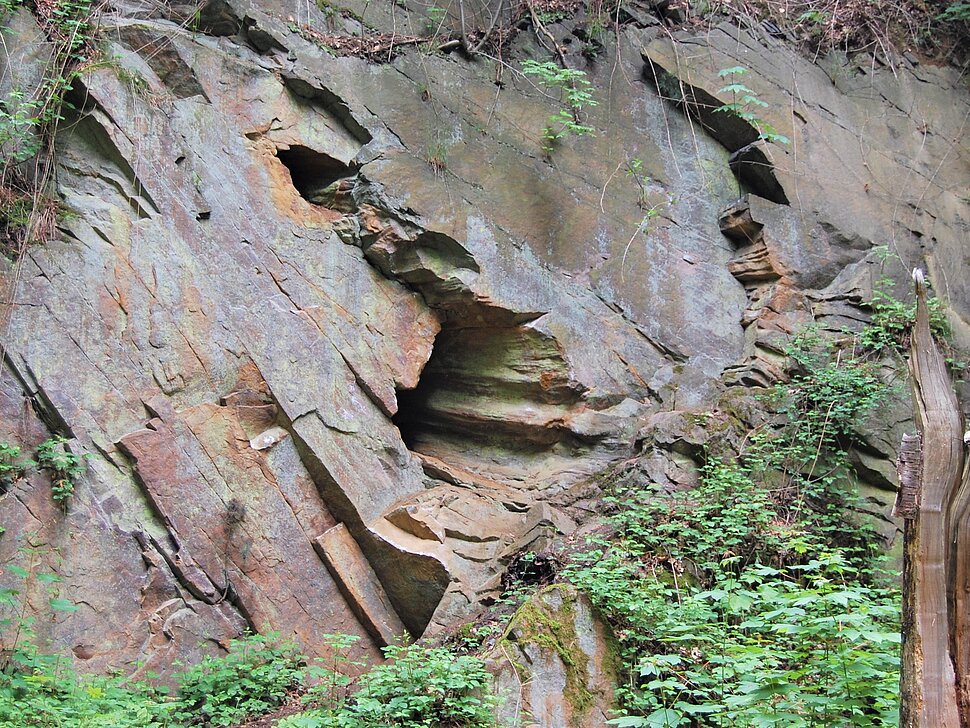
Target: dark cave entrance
[489, 396]
[312, 171]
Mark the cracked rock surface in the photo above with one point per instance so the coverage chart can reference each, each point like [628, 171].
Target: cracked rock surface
[325, 385]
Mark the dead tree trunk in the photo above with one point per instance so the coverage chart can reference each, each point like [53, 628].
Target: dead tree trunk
[936, 503]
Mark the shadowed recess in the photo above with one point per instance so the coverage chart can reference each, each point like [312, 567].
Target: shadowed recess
[312, 171]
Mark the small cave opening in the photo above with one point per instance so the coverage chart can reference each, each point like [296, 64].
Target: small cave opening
[490, 399]
[530, 568]
[313, 172]
[756, 173]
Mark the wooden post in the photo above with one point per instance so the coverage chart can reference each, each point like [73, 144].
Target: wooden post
[936, 503]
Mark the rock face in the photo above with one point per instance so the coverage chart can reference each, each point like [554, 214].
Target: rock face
[555, 664]
[333, 333]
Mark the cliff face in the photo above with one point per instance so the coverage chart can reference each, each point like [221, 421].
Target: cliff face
[338, 336]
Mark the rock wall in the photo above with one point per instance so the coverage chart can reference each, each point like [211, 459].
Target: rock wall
[334, 333]
[556, 663]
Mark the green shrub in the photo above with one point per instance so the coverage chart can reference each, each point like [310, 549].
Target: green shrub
[253, 678]
[12, 465]
[24, 119]
[739, 642]
[744, 102]
[64, 466]
[806, 647]
[42, 690]
[424, 686]
[753, 598]
[574, 93]
[48, 694]
[956, 12]
[892, 320]
[421, 687]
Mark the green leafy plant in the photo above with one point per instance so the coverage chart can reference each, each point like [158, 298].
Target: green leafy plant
[26, 214]
[956, 12]
[331, 684]
[831, 391]
[634, 170]
[892, 320]
[40, 689]
[424, 686]
[420, 687]
[574, 94]
[25, 119]
[711, 635]
[755, 598]
[436, 17]
[593, 34]
[254, 677]
[20, 119]
[64, 466]
[551, 16]
[744, 103]
[13, 465]
[29, 118]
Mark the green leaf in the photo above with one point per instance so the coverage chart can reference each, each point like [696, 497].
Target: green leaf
[735, 88]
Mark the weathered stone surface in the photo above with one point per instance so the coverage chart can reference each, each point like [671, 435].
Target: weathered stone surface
[358, 584]
[555, 665]
[265, 293]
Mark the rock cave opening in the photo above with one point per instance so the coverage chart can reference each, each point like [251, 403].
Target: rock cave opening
[492, 400]
[312, 171]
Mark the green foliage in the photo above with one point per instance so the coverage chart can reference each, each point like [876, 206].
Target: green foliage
[893, 320]
[634, 170]
[12, 465]
[70, 20]
[956, 12]
[29, 118]
[133, 80]
[829, 391]
[64, 466]
[752, 599]
[20, 120]
[551, 16]
[26, 119]
[574, 93]
[421, 687]
[744, 102]
[38, 689]
[253, 678]
[772, 647]
[437, 157]
[594, 32]
[45, 692]
[26, 214]
[436, 17]
[739, 642]
[330, 687]
[425, 687]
